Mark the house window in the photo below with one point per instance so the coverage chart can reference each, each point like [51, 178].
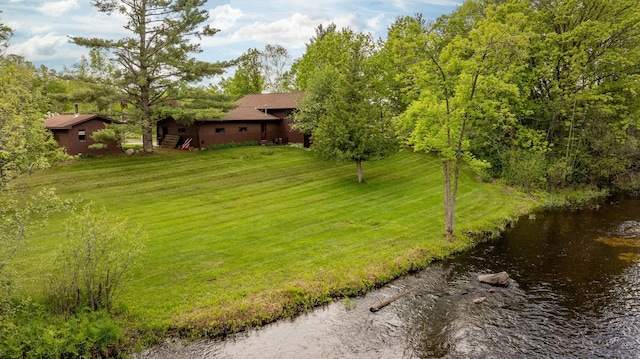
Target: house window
[182, 130]
[82, 135]
[242, 129]
[220, 130]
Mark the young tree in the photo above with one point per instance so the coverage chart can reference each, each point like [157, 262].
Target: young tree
[468, 83]
[25, 146]
[342, 108]
[155, 61]
[95, 259]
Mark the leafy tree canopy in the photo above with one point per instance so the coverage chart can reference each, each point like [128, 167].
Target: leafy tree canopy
[342, 108]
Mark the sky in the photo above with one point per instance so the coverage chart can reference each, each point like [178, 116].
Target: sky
[42, 27]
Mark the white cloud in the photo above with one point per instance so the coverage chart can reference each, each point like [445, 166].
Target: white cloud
[40, 47]
[99, 25]
[408, 4]
[294, 31]
[224, 17]
[58, 8]
[374, 23]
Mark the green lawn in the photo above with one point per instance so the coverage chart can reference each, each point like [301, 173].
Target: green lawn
[246, 235]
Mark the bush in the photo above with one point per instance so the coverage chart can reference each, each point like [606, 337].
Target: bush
[231, 145]
[527, 169]
[93, 262]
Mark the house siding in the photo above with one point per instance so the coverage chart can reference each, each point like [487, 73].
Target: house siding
[231, 133]
[69, 139]
[270, 124]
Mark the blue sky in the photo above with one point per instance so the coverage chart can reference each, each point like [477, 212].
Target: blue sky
[42, 27]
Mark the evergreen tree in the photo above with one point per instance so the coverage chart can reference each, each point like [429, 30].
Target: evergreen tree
[155, 62]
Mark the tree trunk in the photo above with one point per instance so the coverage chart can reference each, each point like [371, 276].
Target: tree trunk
[359, 167]
[147, 136]
[449, 210]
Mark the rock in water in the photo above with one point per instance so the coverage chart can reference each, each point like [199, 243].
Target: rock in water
[479, 300]
[496, 279]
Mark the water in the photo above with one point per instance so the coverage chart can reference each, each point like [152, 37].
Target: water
[574, 293]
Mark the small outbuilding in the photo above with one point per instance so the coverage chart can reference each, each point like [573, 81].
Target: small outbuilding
[73, 132]
[264, 118]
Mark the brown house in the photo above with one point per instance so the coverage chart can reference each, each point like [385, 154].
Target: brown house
[265, 118]
[73, 132]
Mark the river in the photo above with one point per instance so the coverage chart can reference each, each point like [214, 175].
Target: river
[574, 292]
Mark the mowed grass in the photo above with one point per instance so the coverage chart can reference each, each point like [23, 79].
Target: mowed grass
[243, 236]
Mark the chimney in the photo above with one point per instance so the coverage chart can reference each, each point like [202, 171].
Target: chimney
[76, 106]
[265, 110]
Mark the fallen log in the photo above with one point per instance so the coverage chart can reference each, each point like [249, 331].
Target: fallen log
[390, 300]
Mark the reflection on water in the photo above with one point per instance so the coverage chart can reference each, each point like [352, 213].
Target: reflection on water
[574, 293]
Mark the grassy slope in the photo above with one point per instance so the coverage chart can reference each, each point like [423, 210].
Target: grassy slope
[239, 234]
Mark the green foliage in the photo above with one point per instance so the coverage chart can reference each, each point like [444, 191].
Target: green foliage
[260, 71]
[88, 83]
[28, 330]
[19, 215]
[231, 145]
[559, 79]
[247, 79]
[468, 88]
[525, 169]
[584, 89]
[5, 34]
[25, 144]
[103, 137]
[276, 61]
[311, 108]
[342, 108]
[94, 262]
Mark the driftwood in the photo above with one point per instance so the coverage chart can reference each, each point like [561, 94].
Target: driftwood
[390, 300]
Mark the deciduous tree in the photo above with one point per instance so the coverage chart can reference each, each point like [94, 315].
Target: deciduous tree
[25, 146]
[586, 63]
[467, 83]
[248, 77]
[342, 108]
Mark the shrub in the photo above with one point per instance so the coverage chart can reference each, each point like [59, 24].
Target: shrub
[231, 145]
[527, 169]
[93, 262]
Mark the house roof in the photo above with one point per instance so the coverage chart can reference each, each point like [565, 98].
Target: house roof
[252, 107]
[272, 101]
[65, 122]
[247, 114]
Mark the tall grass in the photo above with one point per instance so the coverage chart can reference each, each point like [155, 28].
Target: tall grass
[244, 236]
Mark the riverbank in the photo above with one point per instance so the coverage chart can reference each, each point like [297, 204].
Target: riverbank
[582, 296]
[246, 236]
